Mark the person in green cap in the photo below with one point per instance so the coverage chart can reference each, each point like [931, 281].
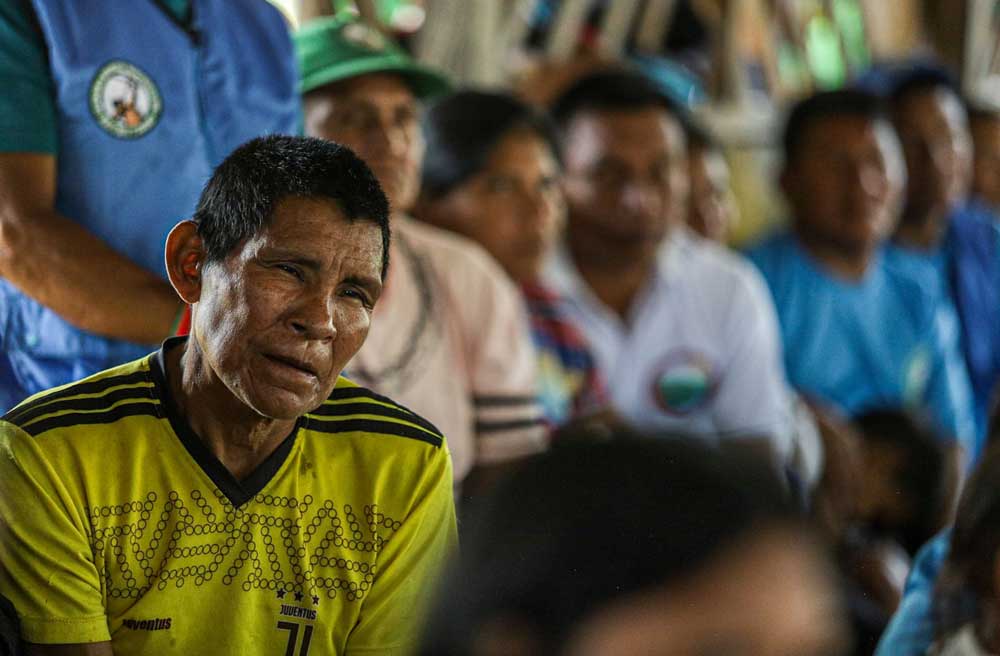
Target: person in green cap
[450, 337]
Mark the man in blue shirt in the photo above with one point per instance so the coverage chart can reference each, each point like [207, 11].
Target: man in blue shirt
[941, 232]
[857, 332]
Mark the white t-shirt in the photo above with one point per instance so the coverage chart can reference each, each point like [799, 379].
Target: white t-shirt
[700, 352]
[449, 339]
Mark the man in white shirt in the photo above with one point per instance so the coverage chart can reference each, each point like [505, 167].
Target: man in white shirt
[683, 330]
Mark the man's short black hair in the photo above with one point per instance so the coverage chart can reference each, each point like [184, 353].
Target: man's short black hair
[239, 199]
[464, 128]
[921, 80]
[615, 89]
[826, 105]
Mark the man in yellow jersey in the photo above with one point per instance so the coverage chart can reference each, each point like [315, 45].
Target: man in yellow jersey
[231, 493]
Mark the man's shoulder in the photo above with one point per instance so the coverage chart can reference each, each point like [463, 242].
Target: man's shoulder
[721, 275]
[127, 390]
[706, 256]
[768, 250]
[353, 409]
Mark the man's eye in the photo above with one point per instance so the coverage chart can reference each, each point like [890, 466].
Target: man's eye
[289, 269]
[360, 296]
[499, 185]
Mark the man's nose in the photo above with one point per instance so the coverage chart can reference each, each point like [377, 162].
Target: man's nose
[642, 197]
[313, 319]
[385, 138]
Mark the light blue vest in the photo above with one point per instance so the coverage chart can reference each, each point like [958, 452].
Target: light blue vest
[146, 109]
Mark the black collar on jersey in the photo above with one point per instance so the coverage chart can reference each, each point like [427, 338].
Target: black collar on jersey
[238, 492]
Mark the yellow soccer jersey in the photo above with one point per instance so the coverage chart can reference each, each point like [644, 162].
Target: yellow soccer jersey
[117, 523]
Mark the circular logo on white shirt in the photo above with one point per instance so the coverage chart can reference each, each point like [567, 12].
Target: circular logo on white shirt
[683, 381]
[125, 100]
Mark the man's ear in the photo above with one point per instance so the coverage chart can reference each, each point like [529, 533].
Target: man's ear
[185, 257]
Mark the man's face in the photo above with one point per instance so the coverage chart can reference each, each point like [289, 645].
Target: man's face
[513, 207]
[376, 116]
[934, 133]
[986, 166]
[279, 318]
[844, 183]
[626, 178]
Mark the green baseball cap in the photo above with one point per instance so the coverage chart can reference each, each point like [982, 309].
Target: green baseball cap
[335, 48]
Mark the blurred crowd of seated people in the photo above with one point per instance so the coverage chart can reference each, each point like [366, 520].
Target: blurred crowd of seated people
[660, 442]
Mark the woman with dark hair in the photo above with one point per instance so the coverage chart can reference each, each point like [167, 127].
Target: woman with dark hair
[638, 547]
[491, 173]
[967, 593]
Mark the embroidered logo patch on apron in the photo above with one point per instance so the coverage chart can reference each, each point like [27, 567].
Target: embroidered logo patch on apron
[124, 100]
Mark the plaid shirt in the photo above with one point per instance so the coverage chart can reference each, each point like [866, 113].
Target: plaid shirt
[569, 383]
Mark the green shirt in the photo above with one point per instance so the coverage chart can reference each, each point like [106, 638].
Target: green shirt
[27, 104]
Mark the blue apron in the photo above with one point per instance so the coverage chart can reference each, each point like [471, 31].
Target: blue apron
[147, 107]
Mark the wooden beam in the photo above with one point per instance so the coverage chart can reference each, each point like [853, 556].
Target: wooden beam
[654, 24]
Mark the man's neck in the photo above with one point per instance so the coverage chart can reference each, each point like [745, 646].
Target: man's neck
[846, 264]
[922, 232]
[239, 437]
[614, 280]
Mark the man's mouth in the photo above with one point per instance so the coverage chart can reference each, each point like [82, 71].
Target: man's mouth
[293, 362]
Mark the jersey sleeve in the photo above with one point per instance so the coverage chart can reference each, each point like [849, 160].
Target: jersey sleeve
[409, 566]
[27, 104]
[503, 368]
[754, 398]
[948, 394]
[46, 563]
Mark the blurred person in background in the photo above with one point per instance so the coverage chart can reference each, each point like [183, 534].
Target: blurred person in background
[917, 623]
[984, 126]
[492, 174]
[942, 234]
[641, 547]
[967, 592]
[682, 330]
[858, 333]
[902, 496]
[900, 502]
[450, 338]
[712, 210]
[112, 118]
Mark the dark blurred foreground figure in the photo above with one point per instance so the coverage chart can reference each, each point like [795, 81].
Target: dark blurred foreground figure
[967, 593]
[638, 547]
